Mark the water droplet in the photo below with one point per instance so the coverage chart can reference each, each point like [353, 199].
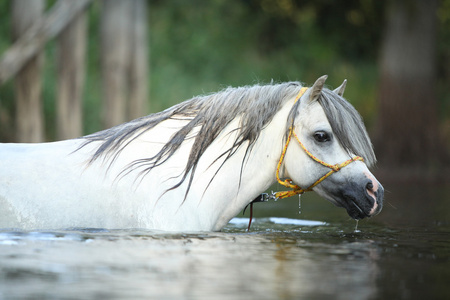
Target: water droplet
[356, 226]
[299, 204]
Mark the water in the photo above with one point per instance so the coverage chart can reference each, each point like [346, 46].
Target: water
[404, 253]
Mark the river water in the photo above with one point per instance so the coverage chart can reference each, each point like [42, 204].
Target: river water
[403, 253]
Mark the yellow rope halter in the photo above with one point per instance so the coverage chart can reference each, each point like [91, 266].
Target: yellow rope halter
[296, 190]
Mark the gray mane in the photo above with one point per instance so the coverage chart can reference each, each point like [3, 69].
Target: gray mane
[256, 105]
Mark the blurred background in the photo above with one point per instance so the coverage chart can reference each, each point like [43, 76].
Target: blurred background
[69, 68]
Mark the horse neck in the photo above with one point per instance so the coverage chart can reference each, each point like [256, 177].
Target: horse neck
[272, 139]
[258, 172]
[261, 164]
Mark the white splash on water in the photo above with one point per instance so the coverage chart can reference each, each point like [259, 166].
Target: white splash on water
[281, 221]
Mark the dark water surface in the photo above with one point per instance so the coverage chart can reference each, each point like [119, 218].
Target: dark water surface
[404, 253]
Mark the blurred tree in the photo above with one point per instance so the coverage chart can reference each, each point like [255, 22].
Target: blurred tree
[124, 58]
[138, 83]
[201, 46]
[115, 47]
[71, 74]
[407, 131]
[29, 119]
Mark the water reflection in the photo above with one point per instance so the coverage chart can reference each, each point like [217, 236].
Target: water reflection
[401, 254]
[124, 264]
[321, 271]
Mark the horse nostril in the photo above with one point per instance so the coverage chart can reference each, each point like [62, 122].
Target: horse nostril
[369, 186]
[370, 191]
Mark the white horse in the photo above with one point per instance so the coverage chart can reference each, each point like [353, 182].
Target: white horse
[194, 166]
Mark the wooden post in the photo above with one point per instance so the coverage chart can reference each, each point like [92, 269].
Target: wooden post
[71, 68]
[115, 53]
[28, 86]
[35, 38]
[138, 73]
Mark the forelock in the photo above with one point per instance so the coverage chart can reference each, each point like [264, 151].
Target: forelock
[347, 125]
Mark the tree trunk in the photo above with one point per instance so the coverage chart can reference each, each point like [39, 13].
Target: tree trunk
[407, 130]
[138, 79]
[28, 85]
[115, 53]
[71, 68]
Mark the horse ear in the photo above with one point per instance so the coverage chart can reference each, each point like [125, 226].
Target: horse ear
[317, 87]
[340, 90]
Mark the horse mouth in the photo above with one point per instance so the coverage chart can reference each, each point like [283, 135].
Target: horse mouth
[354, 210]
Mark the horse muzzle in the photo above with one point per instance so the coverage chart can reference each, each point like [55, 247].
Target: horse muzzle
[361, 199]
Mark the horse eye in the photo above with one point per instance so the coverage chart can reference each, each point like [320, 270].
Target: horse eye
[321, 136]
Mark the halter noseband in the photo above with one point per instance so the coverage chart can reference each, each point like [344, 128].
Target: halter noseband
[296, 190]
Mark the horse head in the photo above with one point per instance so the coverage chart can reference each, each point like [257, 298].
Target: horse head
[332, 131]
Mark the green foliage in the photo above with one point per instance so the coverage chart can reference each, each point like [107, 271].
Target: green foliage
[199, 47]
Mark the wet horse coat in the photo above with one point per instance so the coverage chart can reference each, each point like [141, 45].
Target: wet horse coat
[193, 166]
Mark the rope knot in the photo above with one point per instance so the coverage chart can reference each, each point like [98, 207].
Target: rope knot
[336, 167]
